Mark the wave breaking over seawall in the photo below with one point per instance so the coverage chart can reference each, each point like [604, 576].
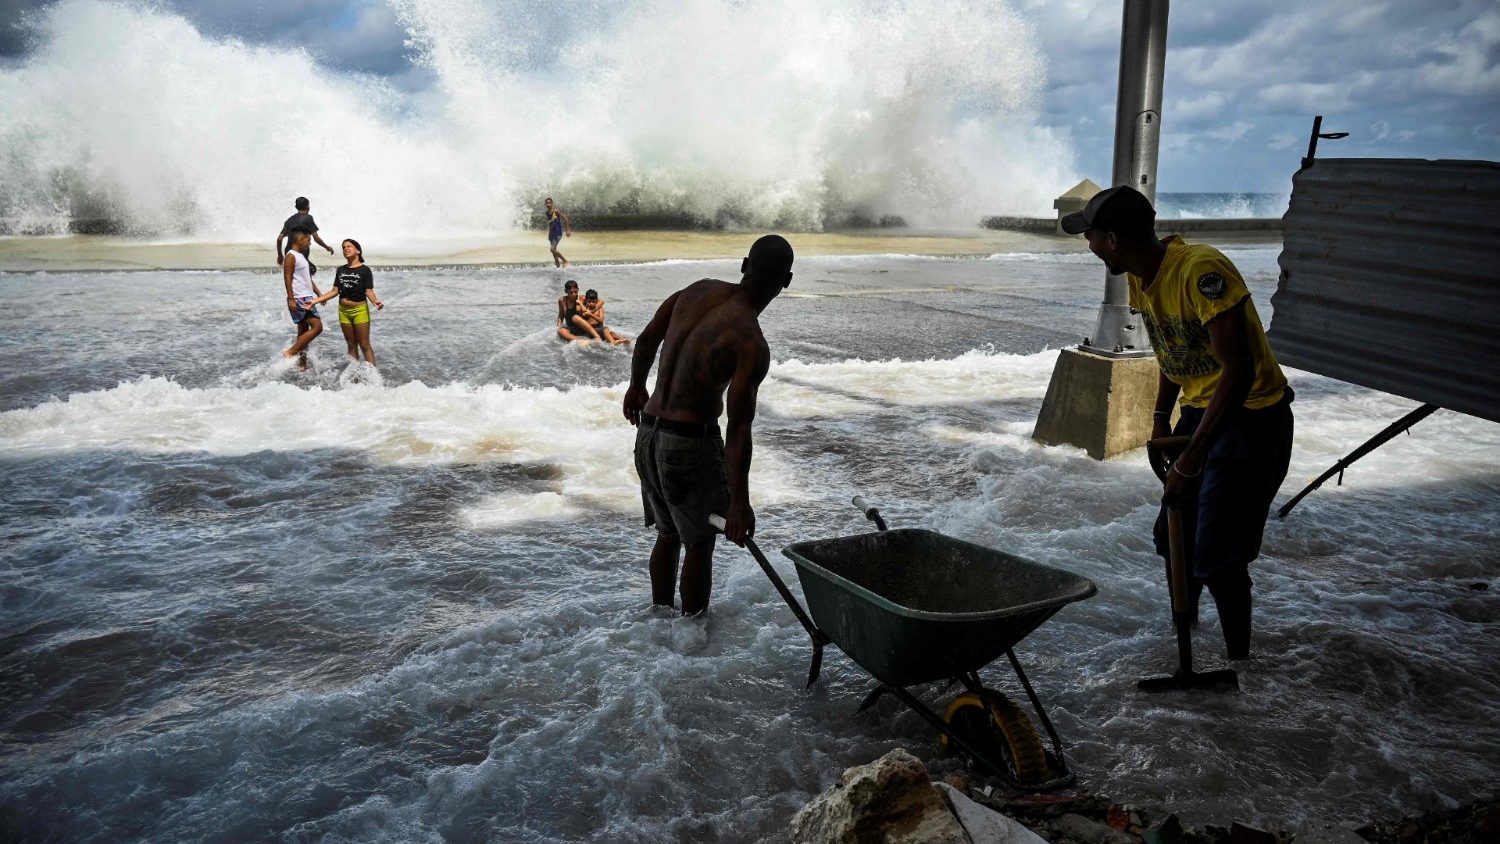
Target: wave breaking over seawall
[754, 113]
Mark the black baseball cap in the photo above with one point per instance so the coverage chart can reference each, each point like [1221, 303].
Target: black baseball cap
[1121, 208]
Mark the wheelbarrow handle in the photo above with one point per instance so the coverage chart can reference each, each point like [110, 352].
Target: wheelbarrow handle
[818, 637]
[871, 512]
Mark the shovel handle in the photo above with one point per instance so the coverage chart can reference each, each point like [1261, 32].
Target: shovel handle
[1176, 443]
[1162, 451]
[1176, 547]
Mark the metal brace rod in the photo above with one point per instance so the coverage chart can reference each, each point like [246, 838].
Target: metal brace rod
[1370, 445]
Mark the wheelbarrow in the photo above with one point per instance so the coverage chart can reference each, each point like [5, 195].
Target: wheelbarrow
[913, 607]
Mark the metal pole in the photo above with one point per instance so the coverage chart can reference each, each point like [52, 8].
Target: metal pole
[1143, 57]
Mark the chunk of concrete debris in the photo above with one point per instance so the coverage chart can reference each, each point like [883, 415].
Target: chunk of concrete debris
[1240, 833]
[889, 800]
[1331, 834]
[1080, 828]
[985, 825]
[1168, 832]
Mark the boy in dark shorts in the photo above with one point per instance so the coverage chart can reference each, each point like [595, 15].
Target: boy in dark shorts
[557, 224]
[592, 310]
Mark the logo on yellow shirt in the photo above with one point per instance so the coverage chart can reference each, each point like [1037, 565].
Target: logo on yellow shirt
[1182, 346]
[1211, 285]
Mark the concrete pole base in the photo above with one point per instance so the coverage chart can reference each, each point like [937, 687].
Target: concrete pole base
[1100, 404]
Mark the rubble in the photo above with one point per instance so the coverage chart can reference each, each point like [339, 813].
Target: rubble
[892, 800]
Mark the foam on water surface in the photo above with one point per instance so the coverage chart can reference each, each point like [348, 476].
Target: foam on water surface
[248, 600]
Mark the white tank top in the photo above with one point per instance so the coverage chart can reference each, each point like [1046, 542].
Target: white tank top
[301, 276]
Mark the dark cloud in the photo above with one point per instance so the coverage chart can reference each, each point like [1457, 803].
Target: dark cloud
[361, 36]
[13, 36]
[1244, 80]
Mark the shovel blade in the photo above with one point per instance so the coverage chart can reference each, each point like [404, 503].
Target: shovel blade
[1223, 680]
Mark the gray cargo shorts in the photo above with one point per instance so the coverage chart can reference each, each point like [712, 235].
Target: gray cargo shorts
[682, 479]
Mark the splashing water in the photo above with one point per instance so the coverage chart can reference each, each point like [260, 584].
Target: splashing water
[768, 112]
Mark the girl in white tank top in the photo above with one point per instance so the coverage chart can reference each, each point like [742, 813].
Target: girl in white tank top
[301, 276]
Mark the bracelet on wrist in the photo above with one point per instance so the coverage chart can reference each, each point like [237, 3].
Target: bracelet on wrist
[1185, 474]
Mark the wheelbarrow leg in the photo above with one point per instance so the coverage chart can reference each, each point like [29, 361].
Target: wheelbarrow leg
[818, 641]
[1036, 704]
[874, 696]
[997, 767]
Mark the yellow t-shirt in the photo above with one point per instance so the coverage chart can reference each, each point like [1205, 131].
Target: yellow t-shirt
[1195, 284]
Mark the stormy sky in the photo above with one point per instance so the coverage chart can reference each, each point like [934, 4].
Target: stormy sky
[1406, 78]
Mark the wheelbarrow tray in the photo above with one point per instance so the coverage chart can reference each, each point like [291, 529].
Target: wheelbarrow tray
[914, 606]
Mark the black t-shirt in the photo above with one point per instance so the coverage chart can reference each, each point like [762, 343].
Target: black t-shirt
[299, 222]
[352, 282]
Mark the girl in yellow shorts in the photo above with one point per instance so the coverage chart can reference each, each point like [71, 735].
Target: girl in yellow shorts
[356, 286]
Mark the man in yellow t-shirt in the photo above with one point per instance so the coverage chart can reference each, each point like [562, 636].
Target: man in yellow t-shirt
[1217, 365]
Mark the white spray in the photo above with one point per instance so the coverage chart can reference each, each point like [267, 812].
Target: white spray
[755, 113]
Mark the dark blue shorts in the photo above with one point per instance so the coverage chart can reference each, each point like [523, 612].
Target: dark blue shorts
[1226, 518]
[304, 309]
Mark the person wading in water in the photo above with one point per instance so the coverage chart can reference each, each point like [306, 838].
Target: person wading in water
[557, 224]
[710, 339]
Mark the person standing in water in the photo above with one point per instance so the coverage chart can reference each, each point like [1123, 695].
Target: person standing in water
[710, 339]
[557, 224]
[302, 221]
[301, 296]
[571, 325]
[355, 286]
[1235, 401]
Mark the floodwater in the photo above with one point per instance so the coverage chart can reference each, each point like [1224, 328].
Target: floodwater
[242, 602]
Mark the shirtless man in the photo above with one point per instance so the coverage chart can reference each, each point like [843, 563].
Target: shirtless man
[592, 310]
[571, 325]
[710, 337]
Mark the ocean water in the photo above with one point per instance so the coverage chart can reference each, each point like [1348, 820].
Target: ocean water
[1221, 205]
[242, 602]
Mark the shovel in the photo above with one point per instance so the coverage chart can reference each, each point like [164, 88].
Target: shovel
[1183, 613]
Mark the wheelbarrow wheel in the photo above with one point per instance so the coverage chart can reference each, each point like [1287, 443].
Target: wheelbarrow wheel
[996, 726]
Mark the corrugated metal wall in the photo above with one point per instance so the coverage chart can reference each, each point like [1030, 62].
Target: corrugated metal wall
[1390, 278]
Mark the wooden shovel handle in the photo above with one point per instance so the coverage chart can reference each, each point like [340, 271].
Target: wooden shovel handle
[1162, 451]
[1179, 561]
[1169, 444]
